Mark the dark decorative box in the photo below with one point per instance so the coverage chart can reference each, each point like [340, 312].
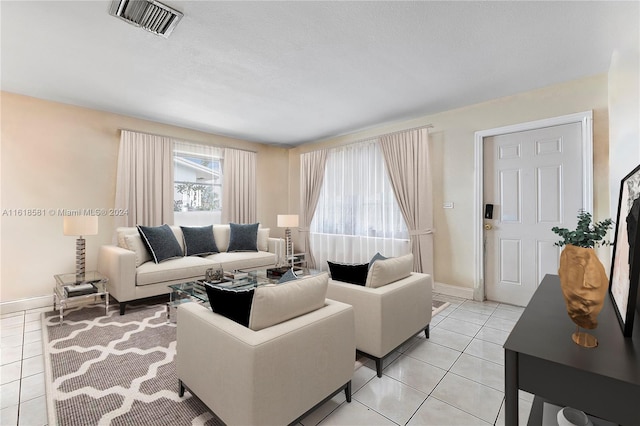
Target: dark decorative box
[280, 271]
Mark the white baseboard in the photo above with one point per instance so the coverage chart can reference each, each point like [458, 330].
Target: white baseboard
[26, 304]
[453, 290]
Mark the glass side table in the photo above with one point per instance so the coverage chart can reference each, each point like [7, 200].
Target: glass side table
[62, 299]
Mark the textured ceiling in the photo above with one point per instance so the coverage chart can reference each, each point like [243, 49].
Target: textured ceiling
[293, 72]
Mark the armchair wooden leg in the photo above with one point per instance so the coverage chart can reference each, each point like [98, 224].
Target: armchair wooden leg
[122, 305]
[181, 391]
[379, 366]
[426, 332]
[347, 391]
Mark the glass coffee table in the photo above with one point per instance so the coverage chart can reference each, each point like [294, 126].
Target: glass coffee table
[63, 292]
[195, 291]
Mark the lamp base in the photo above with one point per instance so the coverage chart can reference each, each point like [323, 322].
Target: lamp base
[80, 259]
[289, 247]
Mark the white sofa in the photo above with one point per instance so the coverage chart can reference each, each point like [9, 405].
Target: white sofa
[133, 275]
[272, 375]
[388, 310]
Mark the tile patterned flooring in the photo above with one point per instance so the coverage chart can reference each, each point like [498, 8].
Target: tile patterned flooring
[22, 395]
[456, 377]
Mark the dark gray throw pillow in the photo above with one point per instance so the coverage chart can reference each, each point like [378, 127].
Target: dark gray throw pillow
[243, 237]
[234, 304]
[287, 276]
[198, 240]
[160, 242]
[375, 257]
[352, 274]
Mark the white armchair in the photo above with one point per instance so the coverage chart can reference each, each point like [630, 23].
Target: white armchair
[390, 314]
[273, 376]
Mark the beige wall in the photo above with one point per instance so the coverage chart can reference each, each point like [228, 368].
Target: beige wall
[60, 156]
[452, 153]
[624, 125]
[56, 156]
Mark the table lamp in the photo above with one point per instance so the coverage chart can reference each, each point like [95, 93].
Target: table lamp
[79, 226]
[288, 221]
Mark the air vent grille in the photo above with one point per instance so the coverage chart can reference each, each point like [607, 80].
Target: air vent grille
[150, 15]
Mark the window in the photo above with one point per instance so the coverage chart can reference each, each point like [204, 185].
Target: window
[197, 184]
[357, 213]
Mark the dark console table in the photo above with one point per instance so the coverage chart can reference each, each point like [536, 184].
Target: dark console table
[541, 358]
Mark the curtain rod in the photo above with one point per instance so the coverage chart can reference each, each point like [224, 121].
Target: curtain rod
[426, 126]
[189, 141]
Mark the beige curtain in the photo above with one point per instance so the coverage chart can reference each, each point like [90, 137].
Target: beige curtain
[239, 188]
[144, 181]
[312, 166]
[406, 155]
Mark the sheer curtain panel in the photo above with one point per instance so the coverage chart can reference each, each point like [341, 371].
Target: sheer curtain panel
[312, 170]
[357, 214]
[406, 155]
[239, 190]
[144, 181]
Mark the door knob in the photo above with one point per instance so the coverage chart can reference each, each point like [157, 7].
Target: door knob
[487, 226]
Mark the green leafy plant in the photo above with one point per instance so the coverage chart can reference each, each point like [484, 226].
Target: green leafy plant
[586, 234]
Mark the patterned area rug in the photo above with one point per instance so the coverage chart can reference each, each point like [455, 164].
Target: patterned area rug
[116, 370]
[119, 370]
[438, 306]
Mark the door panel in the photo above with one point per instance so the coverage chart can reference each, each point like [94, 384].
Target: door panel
[548, 197]
[510, 266]
[510, 195]
[534, 179]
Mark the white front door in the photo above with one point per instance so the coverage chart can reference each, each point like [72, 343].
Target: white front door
[534, 180]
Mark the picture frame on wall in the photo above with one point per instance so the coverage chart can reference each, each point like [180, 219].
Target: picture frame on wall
[625, 266]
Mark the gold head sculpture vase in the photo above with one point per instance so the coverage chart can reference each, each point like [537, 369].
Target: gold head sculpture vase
[582, 277]
[584, 286]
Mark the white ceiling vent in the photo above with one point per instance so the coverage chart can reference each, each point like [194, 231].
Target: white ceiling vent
[150, 15]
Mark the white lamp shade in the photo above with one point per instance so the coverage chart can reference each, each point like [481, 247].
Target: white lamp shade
[287, 220]
[80, 225]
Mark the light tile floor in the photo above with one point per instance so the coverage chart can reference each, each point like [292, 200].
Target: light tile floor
[456, 377]
[22, 394]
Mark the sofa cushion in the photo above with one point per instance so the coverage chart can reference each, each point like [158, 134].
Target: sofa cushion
[353, 274]
[234, 304]
[375, 257]
[243, 260]
[134, 243]
[389, 270]
[243, 237]
[198, 240]
[276, 303]
[160, 241]
[180, 269]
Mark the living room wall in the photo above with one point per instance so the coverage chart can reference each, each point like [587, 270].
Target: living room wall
[452, 154]
[58, 156]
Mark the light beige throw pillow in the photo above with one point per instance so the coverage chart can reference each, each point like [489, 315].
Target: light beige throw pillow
[389, 270]
[263, 239]
[122, 231]
[273, 304]
[221, 235]
[135, 244]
